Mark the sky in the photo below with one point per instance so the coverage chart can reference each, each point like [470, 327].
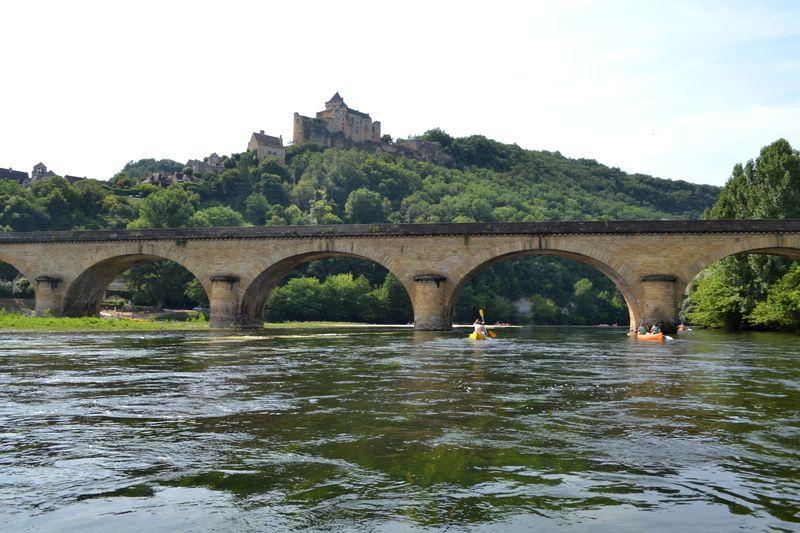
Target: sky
[682, 90]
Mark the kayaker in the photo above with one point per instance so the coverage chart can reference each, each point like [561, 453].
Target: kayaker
[643, 329]
[655, 329]
[480, 327]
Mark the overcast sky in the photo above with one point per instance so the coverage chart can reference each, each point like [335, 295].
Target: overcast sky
[679, 89]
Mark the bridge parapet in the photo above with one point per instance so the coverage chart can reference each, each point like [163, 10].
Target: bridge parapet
[610, 227]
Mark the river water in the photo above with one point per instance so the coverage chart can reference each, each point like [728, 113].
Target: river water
[543, 429]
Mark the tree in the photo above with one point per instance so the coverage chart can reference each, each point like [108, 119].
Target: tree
[322, 212]
[397, 303]
[195, 292]
[768, 187]
[119, 212]
[255, 208]
[343, 296]
[144, 167]
[165, 208]
[438, 135]
[20, 213]
[235, 186]
[543, 310]
[364, 207]
[782, 306]
[216, 217]
[159, 283]
[294, 216]
[715, 302]
[298, 299]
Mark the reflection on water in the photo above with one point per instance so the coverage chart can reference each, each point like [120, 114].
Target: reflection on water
[395, 430]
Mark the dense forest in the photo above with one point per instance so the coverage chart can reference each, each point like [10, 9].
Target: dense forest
[486, 181]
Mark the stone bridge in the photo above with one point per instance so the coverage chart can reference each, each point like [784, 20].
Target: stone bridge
[651, 262]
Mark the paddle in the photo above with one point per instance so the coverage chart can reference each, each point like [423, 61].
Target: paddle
[492, 334]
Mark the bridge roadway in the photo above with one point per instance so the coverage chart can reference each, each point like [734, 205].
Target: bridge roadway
[651, 262]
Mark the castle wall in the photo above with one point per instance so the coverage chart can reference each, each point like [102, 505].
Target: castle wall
[335, 125]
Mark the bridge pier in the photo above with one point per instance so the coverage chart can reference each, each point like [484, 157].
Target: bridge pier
[429, 299]
[49, 296]
[658, 300]
[224, 301]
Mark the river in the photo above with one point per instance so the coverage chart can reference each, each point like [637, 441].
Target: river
[543, 429]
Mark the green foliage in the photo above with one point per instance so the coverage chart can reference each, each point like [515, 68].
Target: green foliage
[145, 167]
[298, 299]
[715, 301]
[561, 291]
[543, 310]
[18, 321]
[195, 292]
[166, 208]
[782, 306]
[740, 292]
[768, 187]
[438, 135]
[163, 283]
[216, 217]
[364, 207]
[340, 298]
[255, 209]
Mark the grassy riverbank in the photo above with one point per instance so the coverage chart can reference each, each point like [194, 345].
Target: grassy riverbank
[20, 321]
[197, 322]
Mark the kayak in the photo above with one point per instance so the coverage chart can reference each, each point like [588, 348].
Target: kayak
[650, 336]
[477, 336]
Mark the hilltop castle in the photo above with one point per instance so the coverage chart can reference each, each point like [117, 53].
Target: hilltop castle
[337, 125]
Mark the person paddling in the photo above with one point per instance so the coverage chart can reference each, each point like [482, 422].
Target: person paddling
[480, 327]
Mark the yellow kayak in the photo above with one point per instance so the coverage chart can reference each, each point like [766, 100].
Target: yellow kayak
[477, 337]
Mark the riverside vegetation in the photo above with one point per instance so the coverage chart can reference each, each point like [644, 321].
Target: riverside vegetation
[488, 181]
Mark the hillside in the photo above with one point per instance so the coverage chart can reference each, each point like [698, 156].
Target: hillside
[484, 181]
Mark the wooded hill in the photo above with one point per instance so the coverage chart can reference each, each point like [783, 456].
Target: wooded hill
[487, 181]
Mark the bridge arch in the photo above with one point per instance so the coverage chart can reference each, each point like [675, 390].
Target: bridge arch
[604, 268]
[22, 270]
[256, 293]
[21, 266]
[84, 294]
[761, 244]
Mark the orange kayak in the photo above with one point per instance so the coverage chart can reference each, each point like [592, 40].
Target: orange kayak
[650, 337]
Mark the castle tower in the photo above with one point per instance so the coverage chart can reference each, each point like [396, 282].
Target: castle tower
[335, 102]
[337, 124]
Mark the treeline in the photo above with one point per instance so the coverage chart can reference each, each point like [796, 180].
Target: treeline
[753, 291]
[487, 181]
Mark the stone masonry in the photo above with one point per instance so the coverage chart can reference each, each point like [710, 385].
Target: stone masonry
[651, 262]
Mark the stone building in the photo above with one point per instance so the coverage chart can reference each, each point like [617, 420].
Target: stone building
[266, 146]
[212, 163]
[337, 125]
[11, 174]
[40, 172]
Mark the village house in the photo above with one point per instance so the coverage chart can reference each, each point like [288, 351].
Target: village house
[267, 146]
[16, 175]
